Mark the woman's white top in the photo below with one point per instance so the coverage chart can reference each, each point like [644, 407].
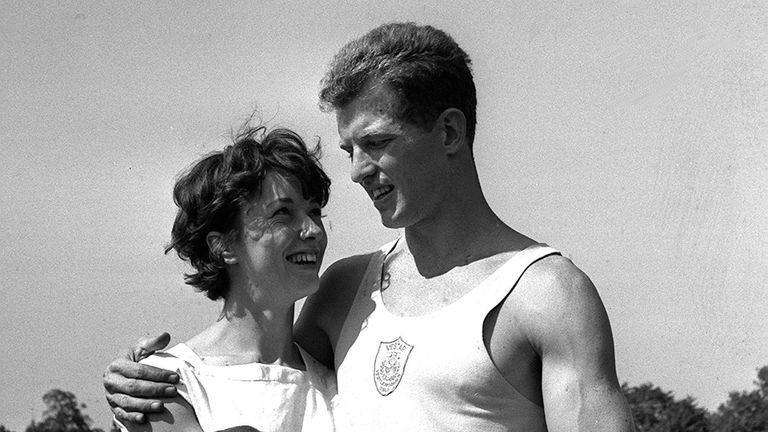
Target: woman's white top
[262, 396]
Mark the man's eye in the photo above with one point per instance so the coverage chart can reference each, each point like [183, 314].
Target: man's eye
[378, 143]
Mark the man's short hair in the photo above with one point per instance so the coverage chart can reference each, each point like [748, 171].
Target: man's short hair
[211, 194]
[424, 66]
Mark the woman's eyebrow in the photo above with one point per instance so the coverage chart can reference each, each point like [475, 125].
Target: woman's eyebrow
[280, 200]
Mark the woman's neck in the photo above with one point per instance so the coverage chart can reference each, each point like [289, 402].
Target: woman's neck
[247, 333]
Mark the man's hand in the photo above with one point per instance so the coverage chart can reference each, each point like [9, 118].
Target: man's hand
[131, 386]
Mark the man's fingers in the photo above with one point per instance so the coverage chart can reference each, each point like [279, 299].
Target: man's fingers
[129, 407]
[128, 382]
[116, 384]
[128, 369]
[128, 417]
[148, 345]
[139, 386]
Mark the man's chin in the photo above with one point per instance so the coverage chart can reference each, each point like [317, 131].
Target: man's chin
[391, 221]
[388, 224]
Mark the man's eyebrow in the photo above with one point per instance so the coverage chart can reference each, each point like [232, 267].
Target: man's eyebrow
[376, 132]
[367, 136]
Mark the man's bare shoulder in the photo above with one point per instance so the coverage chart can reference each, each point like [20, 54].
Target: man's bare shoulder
[338, 284]
[341, 277]
[550, 281]
[552, 295]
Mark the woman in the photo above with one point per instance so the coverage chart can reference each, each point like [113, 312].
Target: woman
[249, 222]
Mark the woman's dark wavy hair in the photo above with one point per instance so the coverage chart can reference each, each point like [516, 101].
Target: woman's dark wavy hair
[424, 66]
[212, 192]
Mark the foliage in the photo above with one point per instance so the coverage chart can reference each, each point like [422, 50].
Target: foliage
[745, 411]
[62, 414]
[655, 410]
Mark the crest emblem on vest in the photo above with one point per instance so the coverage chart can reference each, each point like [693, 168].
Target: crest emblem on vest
[389, 366]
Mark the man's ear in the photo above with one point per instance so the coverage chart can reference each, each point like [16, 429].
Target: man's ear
[220, 246]
[454, 127]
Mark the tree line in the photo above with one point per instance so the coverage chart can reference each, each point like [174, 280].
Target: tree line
[654, 410]
[63, 413]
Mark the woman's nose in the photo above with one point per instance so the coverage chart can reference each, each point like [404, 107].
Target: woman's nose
[311, 229]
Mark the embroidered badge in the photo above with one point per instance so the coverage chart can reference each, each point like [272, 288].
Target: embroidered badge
[389, 366]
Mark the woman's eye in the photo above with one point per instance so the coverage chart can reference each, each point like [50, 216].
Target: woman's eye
[281, 211]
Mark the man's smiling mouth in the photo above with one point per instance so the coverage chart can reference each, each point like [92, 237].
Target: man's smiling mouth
[381, 191]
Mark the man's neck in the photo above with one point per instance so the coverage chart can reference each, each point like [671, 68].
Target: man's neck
[462, 234]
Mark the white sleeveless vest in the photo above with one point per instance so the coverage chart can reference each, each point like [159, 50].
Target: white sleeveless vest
[430, 372]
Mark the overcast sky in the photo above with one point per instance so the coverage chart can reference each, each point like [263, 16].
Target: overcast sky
[632, 137]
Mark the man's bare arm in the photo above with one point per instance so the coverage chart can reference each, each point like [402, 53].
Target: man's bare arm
[133, 389]
[571, 332]
[319, 324]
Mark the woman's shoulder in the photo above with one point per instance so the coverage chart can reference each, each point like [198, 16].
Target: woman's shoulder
[179, 356]
[178, 415]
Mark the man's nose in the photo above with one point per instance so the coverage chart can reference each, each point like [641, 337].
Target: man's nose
[361, 166]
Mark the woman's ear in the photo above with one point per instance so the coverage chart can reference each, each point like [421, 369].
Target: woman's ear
[219, 246]
[454, 128]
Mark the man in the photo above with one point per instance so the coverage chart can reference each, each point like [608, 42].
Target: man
[465, 324]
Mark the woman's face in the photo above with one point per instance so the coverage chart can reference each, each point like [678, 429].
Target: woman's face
[281, 242]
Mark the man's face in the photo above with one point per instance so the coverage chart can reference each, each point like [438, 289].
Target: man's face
[397, 163]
